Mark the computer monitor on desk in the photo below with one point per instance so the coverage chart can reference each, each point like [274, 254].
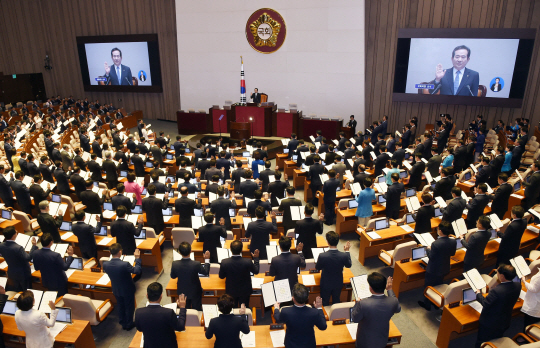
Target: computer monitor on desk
[468, 296]
[418, 253]
[381, 224]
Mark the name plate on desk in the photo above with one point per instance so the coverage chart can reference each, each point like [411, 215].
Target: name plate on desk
[453, 304]
[244, 240]
[95, 269]
[276, 327]
[340, 321]
[311, 271]
[405, 260]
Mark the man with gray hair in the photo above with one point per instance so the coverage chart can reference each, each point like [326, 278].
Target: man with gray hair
[48, 223]
[112, 171]
[130, 144]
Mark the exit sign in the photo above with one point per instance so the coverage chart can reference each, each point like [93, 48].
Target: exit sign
[14, 76]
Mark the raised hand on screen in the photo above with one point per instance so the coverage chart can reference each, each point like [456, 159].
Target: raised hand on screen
[439, 72]
[107, 69]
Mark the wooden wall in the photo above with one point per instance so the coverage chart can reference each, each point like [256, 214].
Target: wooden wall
[30, 29]
[385, 17]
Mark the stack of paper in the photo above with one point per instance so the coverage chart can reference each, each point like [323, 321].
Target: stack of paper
[308, 279]
[223, 254]
[105, 241]
[278, 338]
[256, 283]
[522, 269]
[425, 239]
[297, 213]
[413, 204]
[209, 312]
[495, 221]
[353, 327]
[272, 251]
[474, 279]
[360, 287]
[460, 227]
[316, 252]
[441, 201]
[277, 291]
[248, 340]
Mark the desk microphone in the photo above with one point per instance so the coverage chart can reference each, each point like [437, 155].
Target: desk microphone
[128, 81]
[436, 88]
[469, 88]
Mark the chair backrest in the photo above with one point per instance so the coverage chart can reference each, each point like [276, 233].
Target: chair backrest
[340, 310]
[182, 234]
[82, 308]
[150, 233]
[264, 98]
[69, 202]
[454, 292]
[19, 215]
[249, 314]
[214, 268]
[264, 266]
[230, 235]
[193, 317]
[290, 233]
[403, 251]
[343, 203]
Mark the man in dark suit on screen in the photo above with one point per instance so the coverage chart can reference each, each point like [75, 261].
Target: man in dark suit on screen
[118, 74]
[457, 80]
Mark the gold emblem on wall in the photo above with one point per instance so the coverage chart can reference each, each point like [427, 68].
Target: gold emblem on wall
[265, 30]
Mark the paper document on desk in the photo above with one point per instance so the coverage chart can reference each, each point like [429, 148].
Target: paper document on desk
[69, 272]
[108, 214]
[248, 340]
[105, 241]
[57, 328]
[352, 327]
[104, 280]
[66, 235]
[256, 283]
[308, 279]
[476, 306]
[406, 228]
[374, 235]
[278, 338]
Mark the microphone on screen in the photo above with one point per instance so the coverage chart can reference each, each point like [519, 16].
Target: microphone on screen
[129, 82]
[469, 88]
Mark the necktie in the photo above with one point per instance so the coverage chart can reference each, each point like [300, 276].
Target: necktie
[456, 82]
[120, 82]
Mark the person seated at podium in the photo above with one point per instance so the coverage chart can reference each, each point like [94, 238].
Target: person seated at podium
[256, 96]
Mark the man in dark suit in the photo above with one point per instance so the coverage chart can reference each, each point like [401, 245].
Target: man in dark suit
[264, 175]
[259, 231]
[211, 171]
[52, 265]
[292, 145]
[497, 306]
[220, 206]
[158, 324]
[22, 193]
[329, 190]
[484, 172]
[454, 210]
[18, 273]
[6, 194]
[62, 179]
[153, 207]
[111, 170]
[185, 207]
[23, 164]
[181, 173]
[227, 327]
[381, 161]
[457, 80]
[399, 153]
[125, 231]
[123, 287]
[475, 243]
[331, 264]
[393, 197]
[373, 314]
[277, 188]
[285, 208]
[210, 235]
[285, 265]
[256, 96]
[248, 187]
[138, 163]
[352, 124]
[477, 205]
[187, 272]
[236, 175]
[500, 197]
[224, 163]
[439, 254]
[253, 205]
[306, 230]
[342, 140]
[48, 223]
[160, 187]
[120, 199]
[37, 191]
[434, 163]
[511, 238]
[91, 199]
[77, 181]
[444, 186]
[236, 271]
[211, 187]
[301, 319]
[86, 235]
[118, 74]
[496, 166]
[406, 136]
[415, 174]
[424, 215]
[532, 188]
[460, 156]
[324, 148]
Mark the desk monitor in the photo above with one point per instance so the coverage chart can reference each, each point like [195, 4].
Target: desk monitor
[232, 212]
[167, 211]
[517, 186]
[65, 226]
[438, 212]
[96, 184]
[10, 307]
[468, 295]
[169, 156]
[149, 164]
[409, 219]
[493, 234]
[295, 157]
[137, 209]
[467, 176]
[108, 206]
[102, 232]
[381, 224]
[407, 155]
[403, 174]
[64, 315]
[381, 199]
[187, 150]
[7, 214]
[285, 150]
[56, 198]
[410, 192]
[433, 185]
[246, 154]
[144, 192]
[352, 203]
[381, 178]
[123, 173]
[171, 147]
[198, 212]
[142, 235]
[77, 263]
[170, 179]
[418, 253]
[458, 244]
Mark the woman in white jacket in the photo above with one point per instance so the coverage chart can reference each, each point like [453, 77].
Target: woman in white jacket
[531, 304]
[34, 323]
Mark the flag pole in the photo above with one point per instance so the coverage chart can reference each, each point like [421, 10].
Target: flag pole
[242, 83]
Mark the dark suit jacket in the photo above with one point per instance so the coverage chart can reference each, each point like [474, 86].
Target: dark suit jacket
[300, 322]
[92, 201]
[475, 209]
[475, 248]
[443, 188]
[483, 175]
[125, 233]
[423, 218]
[46, 173]
[97, 149]
[78, 183]
[329, 190]
[50, 225]
[331, 265]
[17, 260]
[433, 165]
[126, 78]
[120, 274]
[62, 181]
[498, 306]
[5, 191]
[85, 234]
[255, 204]
[110, 168]
[454, 209]
[158, 325]
[380, 163]
[39, 195]
[439, 256]
[496, 166]
[210, 235]
[415, 174]
[247, 188]
[392, 197]
[120, 199]
[185, 207]
[263, 176]
[95, 169]
[307, 230]
[237, 271]
[259, 231]
[153, 207]
[285, 207]
[460, 157]
[227, 328]
[277, 189]
[532, 189]
[470, 78]
[52, 267]
[220, 208]
[500, 199]
[285, 266]
[399, 156]
[236, 176]
[23, 195]
[510, 240]
[187, 272]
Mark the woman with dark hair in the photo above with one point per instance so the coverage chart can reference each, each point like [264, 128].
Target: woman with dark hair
[227, 326]
[132, 186]
[34, 323]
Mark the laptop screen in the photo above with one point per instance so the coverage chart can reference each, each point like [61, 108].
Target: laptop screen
[198, 212]
[10, 307]
[285, 150]
[517, 186]
[123, 173]
[65, 226]
[352, 203]
[382, 179]
[142, 235]
[102, 232]
[187, 150]
[246, 154]
[381, 224]
[232, 213]
[6, 214]
[56, 198]
[438, 212]
[107, 206]
[468, 295]
[167, 212]
[169, 156]
[380, 199]
[403, 174]
[149, 165]
[418, 253]
[409, 219]
[64, 315]
[170, 179]
[294, 157]
[410, 192]
[137, 210]
[467, 176]
[77, 263]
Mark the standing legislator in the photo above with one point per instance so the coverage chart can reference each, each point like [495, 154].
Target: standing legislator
[256, 96]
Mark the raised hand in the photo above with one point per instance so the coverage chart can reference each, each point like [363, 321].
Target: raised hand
[52, 306]
[34, 241]
[222, 221]
[243, 309]
[107, 69]
[389, 282]
[318, 302]
[299, 247]
[255, 254]
[321, 216]
[439, 72]
[137, 254]
[207, 255]
[347, 246]
[98, 219]
[70, 251]
[181, 301]
[2, 290]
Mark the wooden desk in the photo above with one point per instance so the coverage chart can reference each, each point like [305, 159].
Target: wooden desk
[15, 223]
[513, 200]
[333, 335]
[308, 195]
[466, 187]
[280, 160]
[289, 167]
[78, 334]
[346, 221]
[298, 178]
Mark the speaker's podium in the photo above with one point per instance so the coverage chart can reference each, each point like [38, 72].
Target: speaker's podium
[260, 116]
[240, 130]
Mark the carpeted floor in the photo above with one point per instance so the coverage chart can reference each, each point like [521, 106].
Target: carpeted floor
[418, 327]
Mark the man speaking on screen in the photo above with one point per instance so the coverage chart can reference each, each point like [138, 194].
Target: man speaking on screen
[458, 80]
[119, 74]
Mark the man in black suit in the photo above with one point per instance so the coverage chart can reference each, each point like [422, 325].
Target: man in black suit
[123, 287]
[496, 166]
[211, 187]
[177, 145]
[153, 207]
[210, 235]
[286, 265]
[265, 174]
[352, 124]
[497, 306]
[358, 160]
[454, 210]
[62, 179]
[324, 148]
[23, 164]
[406, 136]
[381, 161]
[86, 235]
[236, 175]
[248, 187]
[306, 230]
[292, 145]
[253, 205]
[331, 264]
[415, 174]
[187, 272]
[500, 197]
[256, 96]
[301, 319]
[158, 324]
[77, 181]
[18, 273]
[212, 170]
[285, 208]
[93, 167]
[434, 162]
[259, 231]
[484, 172]
[393, 197]
[160, 187]
[399, 153]
[52, 265]
[111, 170]
[439, 254]
[125, 231]
[236, 271]
[120, 199]
[329, 189]
[460, 156]
[48, 223]
[511, 238]
[225, 164]
[517, 152]
[277, 188]
[37, 191]
[424, 214]
[118, 74]
[6, 194]
[532, 188]
[91, 199]
[477, 205]
[457, 80]
[181, 173]
[22, 193]
[138, 163]
[359, 178]
[220, 206]
[185, 207]
[475, 243]
[227, 327]
[444, 186]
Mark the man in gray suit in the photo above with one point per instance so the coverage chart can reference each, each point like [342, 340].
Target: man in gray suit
[340, 168]
[373, 313]
[67, 159]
